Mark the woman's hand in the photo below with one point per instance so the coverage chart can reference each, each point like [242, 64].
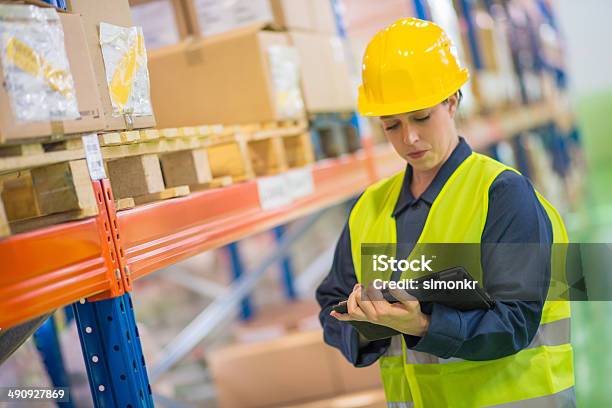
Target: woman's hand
[369, 305]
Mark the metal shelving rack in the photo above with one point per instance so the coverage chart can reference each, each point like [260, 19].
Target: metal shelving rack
[98, 257]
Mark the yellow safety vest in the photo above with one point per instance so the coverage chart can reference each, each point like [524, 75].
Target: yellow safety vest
[541, 375]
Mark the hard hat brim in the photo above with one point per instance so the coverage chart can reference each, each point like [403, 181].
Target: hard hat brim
[366, 108]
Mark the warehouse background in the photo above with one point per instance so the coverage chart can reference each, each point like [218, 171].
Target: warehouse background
[233, 77]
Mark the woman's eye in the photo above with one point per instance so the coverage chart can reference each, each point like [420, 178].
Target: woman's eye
[423, 119]
[392, 127]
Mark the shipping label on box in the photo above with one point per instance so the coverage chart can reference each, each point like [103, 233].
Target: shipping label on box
[218, 16]
[36, 69]
[125, 62]
[284, 70]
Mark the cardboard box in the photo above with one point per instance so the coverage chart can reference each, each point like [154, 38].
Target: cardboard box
[211, 17]
[245, 76]
[116, 12]
[325, 73]
[163, 22]
[324, 20]
[274, 321]
[362, 399]
[291, 369]
[353, 379]
[86, 90]
[308, 15]
[263, 374]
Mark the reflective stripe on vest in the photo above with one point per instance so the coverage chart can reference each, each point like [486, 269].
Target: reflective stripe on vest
[458, 215]
[563, 399]
[400, 404]
[550, 334]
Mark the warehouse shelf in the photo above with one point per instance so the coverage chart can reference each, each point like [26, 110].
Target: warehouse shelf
[71, 262]
[159, 234]
[483, 131]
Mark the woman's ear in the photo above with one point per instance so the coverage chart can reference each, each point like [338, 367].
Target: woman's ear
[453, 105]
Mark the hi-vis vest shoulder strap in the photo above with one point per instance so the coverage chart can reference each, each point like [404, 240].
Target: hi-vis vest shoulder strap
[540, 375]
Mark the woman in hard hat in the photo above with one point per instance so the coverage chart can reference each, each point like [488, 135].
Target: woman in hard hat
[516, 354]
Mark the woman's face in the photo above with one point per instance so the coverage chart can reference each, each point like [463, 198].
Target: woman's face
[424, 138]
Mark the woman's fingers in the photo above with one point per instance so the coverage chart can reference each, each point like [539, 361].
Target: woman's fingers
[340, 316]
[366, 304]
[402, 296]
[363, 304]
[354, 311]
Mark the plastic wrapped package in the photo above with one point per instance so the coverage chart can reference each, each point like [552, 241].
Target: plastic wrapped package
[285, 74]
[35, 66]
[125, 63]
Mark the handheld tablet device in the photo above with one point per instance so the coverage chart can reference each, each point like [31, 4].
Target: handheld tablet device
[448, 287]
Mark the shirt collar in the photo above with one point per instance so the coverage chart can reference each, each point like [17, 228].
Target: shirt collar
[461, 152]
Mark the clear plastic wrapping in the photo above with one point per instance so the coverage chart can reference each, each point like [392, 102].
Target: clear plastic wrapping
[125, 62]
[36, 69]
[285, 74]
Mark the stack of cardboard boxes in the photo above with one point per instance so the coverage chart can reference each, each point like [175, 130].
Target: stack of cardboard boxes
[247, 62]
[86, 65]
[60, 81]
[41, 119]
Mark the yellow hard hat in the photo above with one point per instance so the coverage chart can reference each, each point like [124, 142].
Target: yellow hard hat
[410, 65]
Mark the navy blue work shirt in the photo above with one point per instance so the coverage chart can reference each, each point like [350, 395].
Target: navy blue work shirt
[515, 215]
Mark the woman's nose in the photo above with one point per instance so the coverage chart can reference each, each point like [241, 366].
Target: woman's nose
[410, 136]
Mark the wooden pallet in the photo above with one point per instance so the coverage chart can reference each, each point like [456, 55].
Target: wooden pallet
[45, 195]
[261, 149]
[29, 155]
[229, 156]
[134, 159]
[151, 165]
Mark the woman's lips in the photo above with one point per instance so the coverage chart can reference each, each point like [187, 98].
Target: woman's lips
[417, 155]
